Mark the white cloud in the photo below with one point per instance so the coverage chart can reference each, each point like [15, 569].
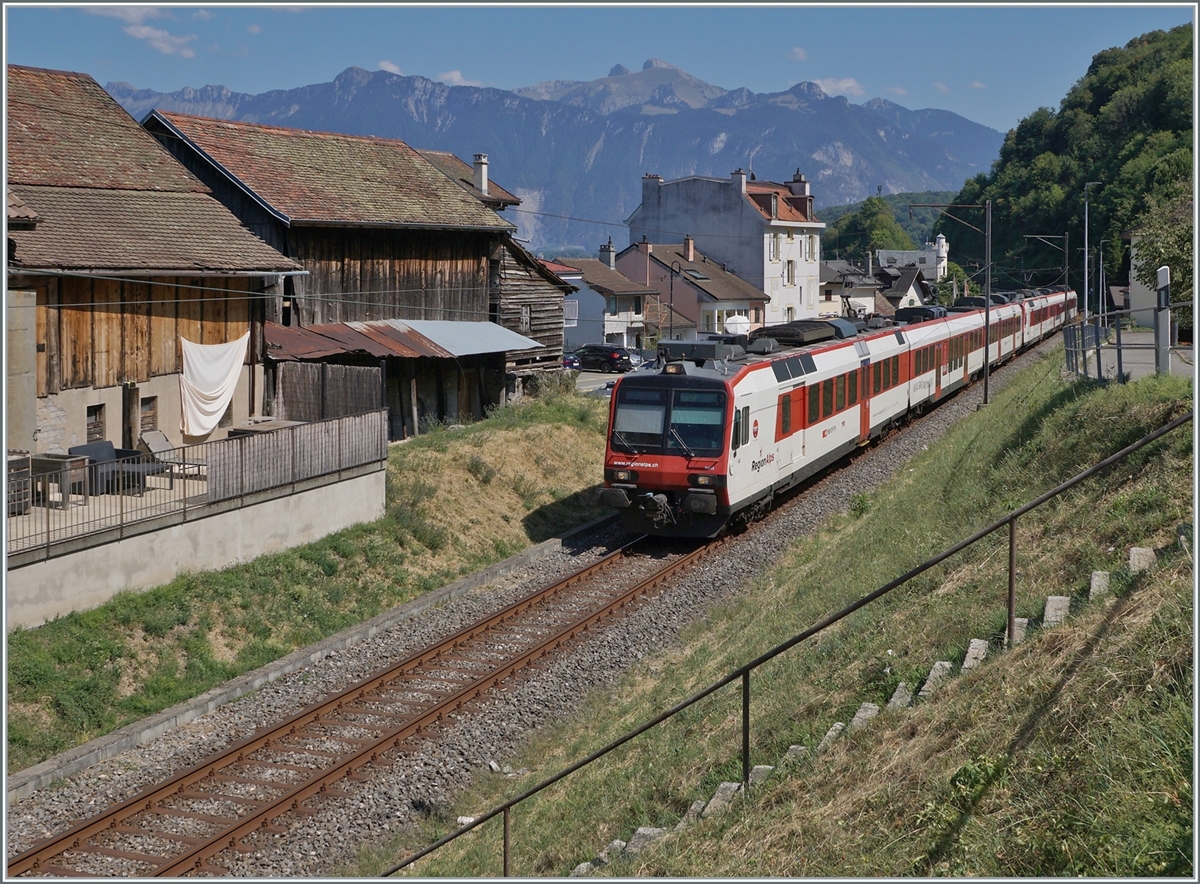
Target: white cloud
[386, 65]
[254, 29]
[203, 15]
[941, 87]
[843, 86]
[164, 42]
[975, 84]
[896, 90]
[455, 78]
[799, 54]
[131, 15]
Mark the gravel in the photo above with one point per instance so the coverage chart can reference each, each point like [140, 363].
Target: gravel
[477, 741]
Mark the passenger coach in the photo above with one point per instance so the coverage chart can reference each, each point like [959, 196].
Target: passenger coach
[710, 438]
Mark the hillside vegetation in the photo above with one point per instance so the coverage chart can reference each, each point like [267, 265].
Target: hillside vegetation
[1128, 125]
[457, 500]
[1069, 755]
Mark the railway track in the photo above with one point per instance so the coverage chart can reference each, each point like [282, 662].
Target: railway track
[245, 792]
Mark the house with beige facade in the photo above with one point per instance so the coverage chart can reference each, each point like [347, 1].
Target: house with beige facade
[764, 232]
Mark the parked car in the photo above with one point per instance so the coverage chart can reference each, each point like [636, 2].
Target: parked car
[605, 357]
[571, 361]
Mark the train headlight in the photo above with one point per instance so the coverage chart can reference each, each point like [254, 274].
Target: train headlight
[673, 368]
[706, 480]
[626, 476]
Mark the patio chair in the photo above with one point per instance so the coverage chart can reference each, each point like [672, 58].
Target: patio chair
[114, 470]
[159, 447]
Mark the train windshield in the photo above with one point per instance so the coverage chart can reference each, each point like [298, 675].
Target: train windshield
[650, 420]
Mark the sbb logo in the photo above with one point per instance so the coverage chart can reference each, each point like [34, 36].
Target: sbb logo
[754, 429]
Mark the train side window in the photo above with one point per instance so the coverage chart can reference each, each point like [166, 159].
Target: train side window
[826, 398]
[814, 406]
[895, 369]
[878, 377]
[735, 440]
[785, 412]
[840, 392]
[852, 387]
[745, 424]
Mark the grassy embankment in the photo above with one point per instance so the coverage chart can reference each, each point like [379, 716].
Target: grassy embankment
[1070, 755]
[454, 505]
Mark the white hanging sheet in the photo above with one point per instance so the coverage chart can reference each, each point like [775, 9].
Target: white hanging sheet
[210, 374]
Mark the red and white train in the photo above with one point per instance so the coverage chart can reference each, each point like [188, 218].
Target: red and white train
[709, 437]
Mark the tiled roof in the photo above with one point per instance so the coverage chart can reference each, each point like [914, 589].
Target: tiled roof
[65, 131]
[556, 268]
[790, 207]
[600, 276]
[720, 285]
[327, 178]
[838, 270]
[463, 174]
[138, 231]
[18, 212]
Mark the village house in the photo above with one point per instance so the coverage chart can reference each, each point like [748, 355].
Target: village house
[848, 290]
[764, 232]
[428, 247]
[904, 286]
[933, 258]
[136, 307]
[690, 284]
[119, 254]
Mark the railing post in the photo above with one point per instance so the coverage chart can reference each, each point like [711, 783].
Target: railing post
[746, 729]
[1012, 580]
[506, 843]
[1099, 364]
[46, 502]
[1120, 367]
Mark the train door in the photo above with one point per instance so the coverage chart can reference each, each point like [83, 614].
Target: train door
[937, 370]
[863, 379]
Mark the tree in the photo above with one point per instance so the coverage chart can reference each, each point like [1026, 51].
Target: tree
[873, 226]
[1164, 233]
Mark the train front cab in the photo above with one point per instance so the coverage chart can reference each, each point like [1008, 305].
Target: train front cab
[667, 454]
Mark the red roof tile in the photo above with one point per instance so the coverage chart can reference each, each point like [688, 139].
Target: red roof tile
[327, 178]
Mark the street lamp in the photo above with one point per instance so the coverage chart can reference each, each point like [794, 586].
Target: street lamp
[676, 269]
[1085, 246]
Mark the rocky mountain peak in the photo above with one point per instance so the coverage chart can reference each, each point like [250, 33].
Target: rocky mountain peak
[619, 70]
[658, 63]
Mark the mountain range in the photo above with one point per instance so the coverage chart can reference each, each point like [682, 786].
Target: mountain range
[575, 152]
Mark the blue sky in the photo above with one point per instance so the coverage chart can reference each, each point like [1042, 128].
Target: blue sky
[991, 64]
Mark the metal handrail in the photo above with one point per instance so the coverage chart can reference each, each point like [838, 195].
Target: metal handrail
[743, 672]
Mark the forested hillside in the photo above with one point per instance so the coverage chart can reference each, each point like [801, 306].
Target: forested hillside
[1127, 124]
[847, 236]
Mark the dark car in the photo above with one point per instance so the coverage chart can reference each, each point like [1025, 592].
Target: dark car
[605, 357]
[571, 361]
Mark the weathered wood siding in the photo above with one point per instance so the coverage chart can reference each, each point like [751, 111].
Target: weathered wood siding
[313, 391]
[358, 274]
[102, 333]
[523, 292]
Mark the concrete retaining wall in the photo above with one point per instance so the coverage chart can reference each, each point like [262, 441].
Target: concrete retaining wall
[43, 590]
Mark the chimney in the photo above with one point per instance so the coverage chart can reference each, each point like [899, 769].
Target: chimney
[798, 186]
[739, 180]
[689, 247]
[481, 164]
[650, 185]
[608, 255]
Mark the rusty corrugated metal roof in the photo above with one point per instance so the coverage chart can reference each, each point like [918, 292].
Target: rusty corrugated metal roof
[392, 337]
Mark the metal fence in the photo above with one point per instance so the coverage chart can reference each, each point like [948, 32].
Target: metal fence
[742, 674]
[1110, 346]
[50, 504]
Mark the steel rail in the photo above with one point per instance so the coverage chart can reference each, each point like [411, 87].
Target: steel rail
[197, 851]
